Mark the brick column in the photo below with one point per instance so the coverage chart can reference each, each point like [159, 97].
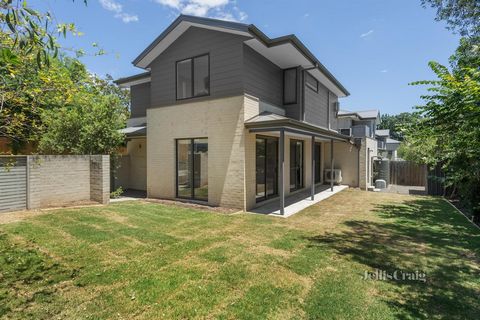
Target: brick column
[100, 178]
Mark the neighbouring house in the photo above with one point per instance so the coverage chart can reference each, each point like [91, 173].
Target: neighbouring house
[358, 124]
[227, 116]
[387, 147]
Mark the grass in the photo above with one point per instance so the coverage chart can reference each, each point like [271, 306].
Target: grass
[136, 260]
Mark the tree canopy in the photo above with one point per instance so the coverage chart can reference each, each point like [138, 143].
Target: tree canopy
[462, 16]
[395, 123]
[45, 93]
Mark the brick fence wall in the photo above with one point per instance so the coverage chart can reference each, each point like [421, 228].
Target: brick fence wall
[63, 180]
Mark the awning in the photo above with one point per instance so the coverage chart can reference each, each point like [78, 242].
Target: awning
[139, 131]
[267, 121]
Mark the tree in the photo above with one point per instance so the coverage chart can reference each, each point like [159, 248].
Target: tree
[461, 15]
[32, 31]
[42, 90]
[91, 127]
[394, 123]
[447, 131]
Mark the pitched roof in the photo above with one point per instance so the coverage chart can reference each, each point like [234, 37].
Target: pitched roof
[266, 116]
[268, 120]
[390, 140]
[281, 50]
[133, 80]
[382, 132]
[362, 114]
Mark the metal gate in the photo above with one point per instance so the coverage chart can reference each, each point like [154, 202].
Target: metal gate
[13, 183]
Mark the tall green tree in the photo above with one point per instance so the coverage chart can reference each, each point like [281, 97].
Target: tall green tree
[447, 131]
[44, 93]
[462, 16]
[394, 123]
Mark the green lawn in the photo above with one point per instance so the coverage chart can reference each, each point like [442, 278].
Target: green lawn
[138, 260]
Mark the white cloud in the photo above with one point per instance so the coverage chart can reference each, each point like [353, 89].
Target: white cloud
[219, 9]
[306, 15]
[126, 17]
[366, 34]
[384, 71]
[117, 8]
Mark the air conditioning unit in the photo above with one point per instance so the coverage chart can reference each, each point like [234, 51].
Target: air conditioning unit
[336, 176]
[347, 132]
[336, 107]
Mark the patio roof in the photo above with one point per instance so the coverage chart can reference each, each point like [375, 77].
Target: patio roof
[137, 131]
[267, 121]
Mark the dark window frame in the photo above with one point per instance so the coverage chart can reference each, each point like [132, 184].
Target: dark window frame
[266, 196]
[302, 185]
[192, 148]
[296, 86]
[193, 77]
[315, 89]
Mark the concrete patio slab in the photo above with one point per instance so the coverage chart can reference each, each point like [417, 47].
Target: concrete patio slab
[297, 202]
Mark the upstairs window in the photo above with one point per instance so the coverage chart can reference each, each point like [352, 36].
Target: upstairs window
[193, 77]
[290, 86]
[311, 82]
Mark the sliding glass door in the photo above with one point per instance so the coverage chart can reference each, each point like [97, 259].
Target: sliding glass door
[266, 167]
[296, 165]
[192, 169]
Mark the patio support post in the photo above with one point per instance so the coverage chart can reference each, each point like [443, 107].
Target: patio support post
[313, 169]
[331, 165]
[281, 171]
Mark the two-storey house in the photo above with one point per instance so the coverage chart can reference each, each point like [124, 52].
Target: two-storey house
[225, 115]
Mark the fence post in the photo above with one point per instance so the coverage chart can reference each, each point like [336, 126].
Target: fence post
[28, 183]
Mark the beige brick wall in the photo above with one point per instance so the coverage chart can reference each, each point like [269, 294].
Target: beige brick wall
[222, 122]
[345, 158]
[100, 178]
[367, 151]
[60, 180]
[137, 150]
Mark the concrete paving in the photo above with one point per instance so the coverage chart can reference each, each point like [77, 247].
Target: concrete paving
[297, 201]
[394, 188]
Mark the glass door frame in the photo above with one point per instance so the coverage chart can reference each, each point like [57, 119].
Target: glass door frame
[302, 165]
[266, 196]
[192, 164]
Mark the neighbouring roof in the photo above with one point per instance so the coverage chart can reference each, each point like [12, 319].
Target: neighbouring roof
[362, 115]
[271, 121]
[390, 140]
[136, 131]
[134, 80]
[286, 51]
[382, 132]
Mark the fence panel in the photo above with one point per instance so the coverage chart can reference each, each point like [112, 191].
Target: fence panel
[13, 183]
[407, 173]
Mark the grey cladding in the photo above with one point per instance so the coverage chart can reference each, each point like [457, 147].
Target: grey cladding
[140, 99]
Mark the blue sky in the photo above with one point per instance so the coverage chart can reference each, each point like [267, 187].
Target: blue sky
[374, 47]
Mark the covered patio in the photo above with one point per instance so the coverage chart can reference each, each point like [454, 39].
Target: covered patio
[311, 190]
[298, 201]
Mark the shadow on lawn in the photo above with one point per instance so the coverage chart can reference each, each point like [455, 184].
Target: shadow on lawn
[418, 235]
